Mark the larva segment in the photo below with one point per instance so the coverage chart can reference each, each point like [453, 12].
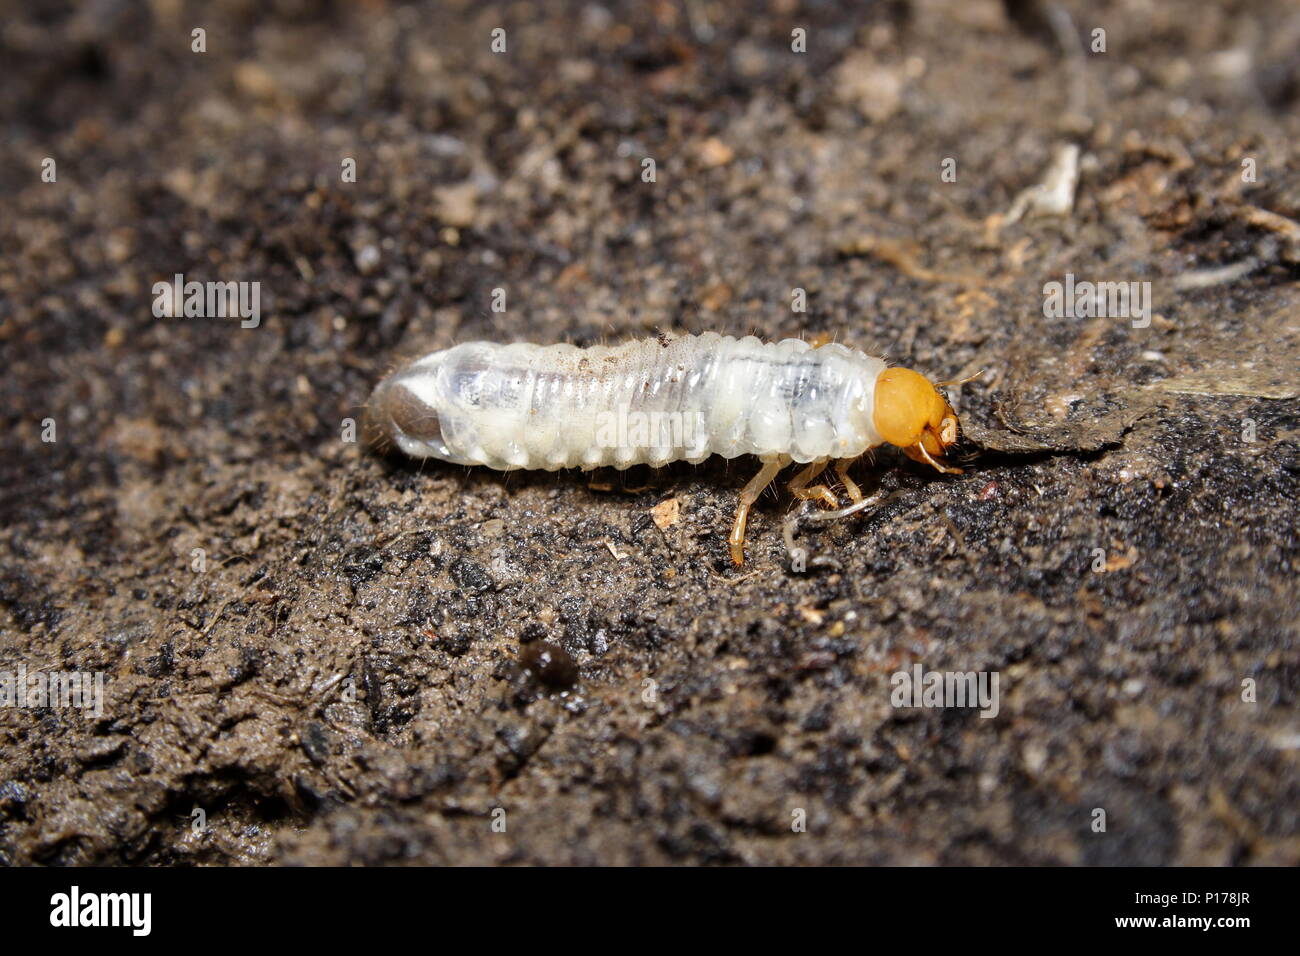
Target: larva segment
[403, 412]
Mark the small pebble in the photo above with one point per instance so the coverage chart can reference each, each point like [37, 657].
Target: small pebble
[549, 663]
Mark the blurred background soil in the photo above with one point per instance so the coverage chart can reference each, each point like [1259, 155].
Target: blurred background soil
[379, 659]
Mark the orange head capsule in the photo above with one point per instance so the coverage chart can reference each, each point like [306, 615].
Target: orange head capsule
[911, 413]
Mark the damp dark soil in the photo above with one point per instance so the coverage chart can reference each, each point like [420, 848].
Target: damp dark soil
[314, 654]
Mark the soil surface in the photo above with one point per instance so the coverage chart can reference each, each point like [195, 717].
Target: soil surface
[315, 654]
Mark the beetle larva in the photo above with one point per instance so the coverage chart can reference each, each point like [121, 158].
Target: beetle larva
[674, 398]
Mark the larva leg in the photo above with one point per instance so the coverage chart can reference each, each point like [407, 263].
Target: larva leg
[842, 472]
[799, 486]
[748, 495]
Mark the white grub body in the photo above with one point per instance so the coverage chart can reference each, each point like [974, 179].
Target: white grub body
[560, 406]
